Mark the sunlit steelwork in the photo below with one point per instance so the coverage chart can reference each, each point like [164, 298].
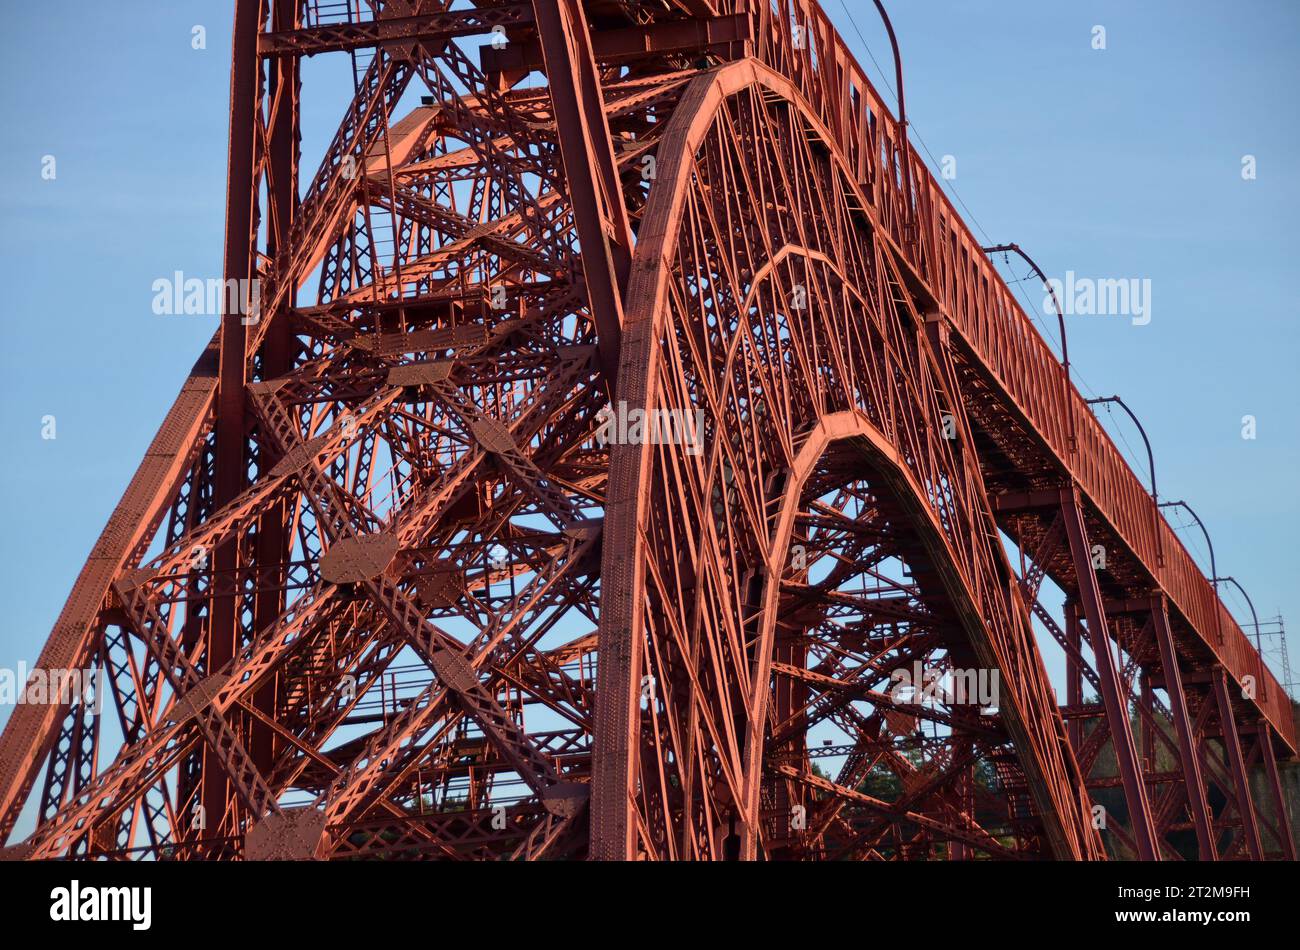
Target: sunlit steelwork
[471, 544]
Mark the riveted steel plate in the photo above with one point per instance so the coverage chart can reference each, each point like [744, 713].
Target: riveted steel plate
[290, 835]
[363, 558]
[453, 670]
[492, 435]
[419, 374]
[442, 589]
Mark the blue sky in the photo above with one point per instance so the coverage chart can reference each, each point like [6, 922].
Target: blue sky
[1117, 163]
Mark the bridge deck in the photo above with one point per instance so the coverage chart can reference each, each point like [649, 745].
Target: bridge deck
[982, 311]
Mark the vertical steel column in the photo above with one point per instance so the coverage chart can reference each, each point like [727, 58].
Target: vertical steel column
[959, 850]
[1113, 697]
[231, 460]
[1187, 747]
[273, 542]
[605, 238]
[790, 698]
[1287, 841]
[1073, 676]
[590, 169]
[1232, 746]
[1147, 736]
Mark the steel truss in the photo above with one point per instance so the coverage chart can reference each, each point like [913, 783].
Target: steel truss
[384, 585]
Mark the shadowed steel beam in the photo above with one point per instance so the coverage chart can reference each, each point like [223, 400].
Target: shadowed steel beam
[1112, 693]
[1241, 781]
[720, 35]
[1275, 786]
[1192, 777]
[404, 383]
[427, 28]
[231, 434]
[589, 167]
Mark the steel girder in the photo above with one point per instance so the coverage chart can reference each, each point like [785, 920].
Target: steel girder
[385, 583]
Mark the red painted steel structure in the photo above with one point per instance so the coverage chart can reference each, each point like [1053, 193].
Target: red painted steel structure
[467, 544]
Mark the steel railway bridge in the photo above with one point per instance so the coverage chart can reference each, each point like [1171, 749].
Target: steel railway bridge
[383, 586]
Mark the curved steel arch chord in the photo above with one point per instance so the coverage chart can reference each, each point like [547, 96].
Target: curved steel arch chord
[785, 336]
[839, 420]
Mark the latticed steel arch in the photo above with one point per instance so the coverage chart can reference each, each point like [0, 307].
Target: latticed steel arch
[763, 300]
[385, 583]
